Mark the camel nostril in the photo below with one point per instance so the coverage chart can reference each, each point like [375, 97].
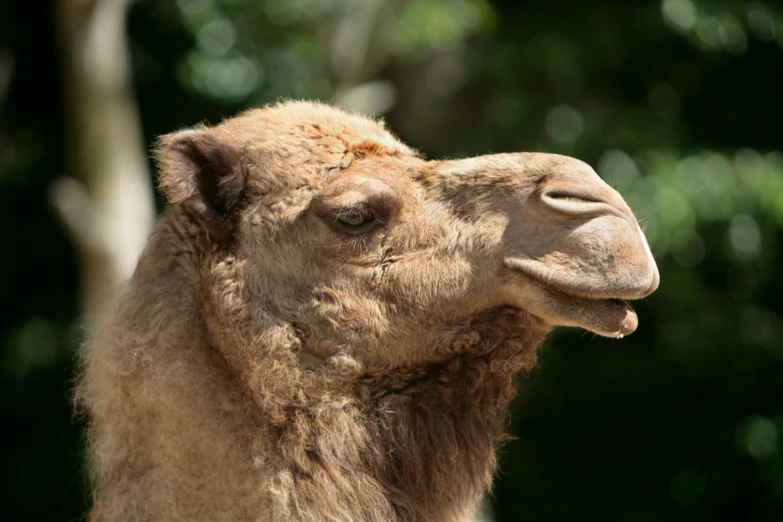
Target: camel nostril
[578, 203]
[572, 197]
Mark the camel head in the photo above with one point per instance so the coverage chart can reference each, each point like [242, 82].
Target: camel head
[337, 228]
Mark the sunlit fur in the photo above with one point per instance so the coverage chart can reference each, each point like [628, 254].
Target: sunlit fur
[262, 365]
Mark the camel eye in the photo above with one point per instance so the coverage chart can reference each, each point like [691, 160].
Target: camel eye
[354, 220]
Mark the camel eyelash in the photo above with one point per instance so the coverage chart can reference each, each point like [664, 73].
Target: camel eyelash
[354, 220]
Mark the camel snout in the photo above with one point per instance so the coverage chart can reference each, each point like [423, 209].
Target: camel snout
[592, 212]
[576, 234]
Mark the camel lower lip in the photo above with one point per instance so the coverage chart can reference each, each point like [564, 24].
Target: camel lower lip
[608, 317]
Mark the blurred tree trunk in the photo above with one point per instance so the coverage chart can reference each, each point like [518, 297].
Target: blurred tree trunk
[106, 203]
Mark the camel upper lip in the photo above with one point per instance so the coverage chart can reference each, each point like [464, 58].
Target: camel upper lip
[517, 266]
[573, 295]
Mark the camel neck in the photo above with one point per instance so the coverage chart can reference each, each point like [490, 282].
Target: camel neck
[416, 445]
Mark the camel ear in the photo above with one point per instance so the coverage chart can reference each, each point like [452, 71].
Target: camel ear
[199, 169]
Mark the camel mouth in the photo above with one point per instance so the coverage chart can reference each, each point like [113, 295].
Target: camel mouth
[606, 316]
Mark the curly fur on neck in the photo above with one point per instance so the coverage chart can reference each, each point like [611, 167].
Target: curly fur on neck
[416, 444]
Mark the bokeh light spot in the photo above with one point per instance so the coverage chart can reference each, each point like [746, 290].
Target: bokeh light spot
[745, 237]
[708, 32]
[749, 166]
[732, 36]
[759, 437]
[564, 124]
[761, 22]
[192, 8]
[231, 77]
[284, 12]
[675, 211]
[377, 97]
[618, 169]
[217, 37]
[720, 173]
[691, 175]
[680, 15]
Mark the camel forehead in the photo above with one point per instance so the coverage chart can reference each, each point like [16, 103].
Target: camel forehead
[313, 126]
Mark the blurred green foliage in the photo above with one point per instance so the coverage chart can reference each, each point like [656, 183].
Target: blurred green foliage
[677, 103]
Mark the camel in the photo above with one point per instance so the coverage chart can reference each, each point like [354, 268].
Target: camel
[325, 326]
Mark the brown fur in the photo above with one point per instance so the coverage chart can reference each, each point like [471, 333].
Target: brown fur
[265, 364]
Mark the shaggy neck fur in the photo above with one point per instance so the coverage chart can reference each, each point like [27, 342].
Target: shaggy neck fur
[236, 428]
[410, 445]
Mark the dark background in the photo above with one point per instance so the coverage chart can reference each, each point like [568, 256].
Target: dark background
[678, 104]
